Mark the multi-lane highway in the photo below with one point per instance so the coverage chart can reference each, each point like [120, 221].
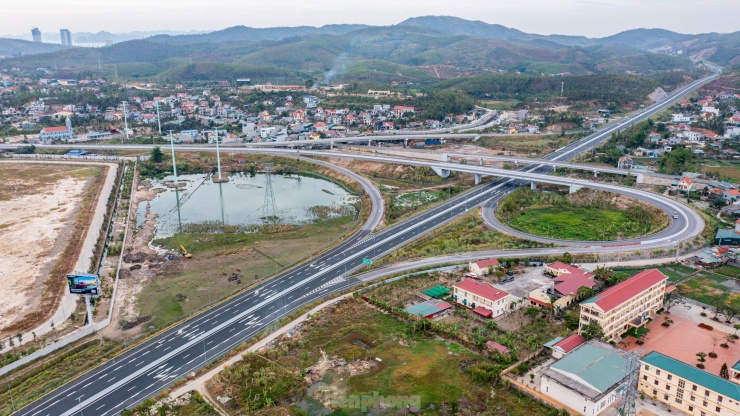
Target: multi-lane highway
[153, 365]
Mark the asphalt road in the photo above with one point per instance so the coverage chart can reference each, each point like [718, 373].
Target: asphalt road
[150, 367]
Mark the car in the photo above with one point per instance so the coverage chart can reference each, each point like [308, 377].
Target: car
[675, 215]
[472, 276]
[81, 285]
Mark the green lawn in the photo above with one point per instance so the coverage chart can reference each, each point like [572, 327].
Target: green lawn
[728, 271]
[708, 288]
[578, 223]
[675, 272]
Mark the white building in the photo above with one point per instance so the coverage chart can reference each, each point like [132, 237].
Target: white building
[483, 298]
[680, 118]
[588, 379]
[57, 133]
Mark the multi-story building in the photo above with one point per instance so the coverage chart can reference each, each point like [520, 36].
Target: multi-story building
[589, 379]
[628, 304]
[36, 34]
[483, 298]
[65, 132]
[687, 388]
[66, 36]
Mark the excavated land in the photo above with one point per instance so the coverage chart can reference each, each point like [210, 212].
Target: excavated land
[45, 212]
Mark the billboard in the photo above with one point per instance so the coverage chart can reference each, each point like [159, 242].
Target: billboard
[83, 284]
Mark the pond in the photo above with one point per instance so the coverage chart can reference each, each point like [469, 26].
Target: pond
[208, 206]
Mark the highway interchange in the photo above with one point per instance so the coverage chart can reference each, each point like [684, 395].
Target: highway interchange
[148, 368]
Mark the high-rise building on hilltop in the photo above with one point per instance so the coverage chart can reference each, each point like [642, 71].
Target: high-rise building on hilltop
[36, 33]
[66, 37]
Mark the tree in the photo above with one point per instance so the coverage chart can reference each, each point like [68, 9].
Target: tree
[585, 292]
[702, 357]
[672, 299]
[567, 258]
[640, 334]
[156, 155]
[724, 372]
[592, 330]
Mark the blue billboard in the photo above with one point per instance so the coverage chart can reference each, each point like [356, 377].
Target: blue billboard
[83, 284]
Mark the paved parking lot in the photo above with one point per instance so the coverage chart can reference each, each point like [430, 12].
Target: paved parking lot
[532, 278]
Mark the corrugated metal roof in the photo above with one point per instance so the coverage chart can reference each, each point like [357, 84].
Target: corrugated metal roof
[596, 366]
[616, 295]
[693, 374]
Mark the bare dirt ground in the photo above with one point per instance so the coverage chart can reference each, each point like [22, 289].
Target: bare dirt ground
[38, 211]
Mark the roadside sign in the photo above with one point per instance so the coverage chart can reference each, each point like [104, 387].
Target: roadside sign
[367, 261]
[84, 284]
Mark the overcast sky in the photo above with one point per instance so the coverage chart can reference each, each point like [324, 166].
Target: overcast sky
[572, 17]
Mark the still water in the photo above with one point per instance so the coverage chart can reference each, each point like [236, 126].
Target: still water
[238, 202]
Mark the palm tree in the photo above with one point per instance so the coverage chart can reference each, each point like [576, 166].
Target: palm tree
[585, 292]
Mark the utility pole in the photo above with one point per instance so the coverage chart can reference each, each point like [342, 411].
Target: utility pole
[115, 72]
[159, 123]
[125, 121]
[218, 155]
[12, 402]
[174, 164]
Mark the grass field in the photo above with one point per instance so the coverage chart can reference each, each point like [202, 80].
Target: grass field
[711, 288]
[675, 273]
[409, 365]
[729, 170]
[577, 223]
[468, 233]
[204, 278]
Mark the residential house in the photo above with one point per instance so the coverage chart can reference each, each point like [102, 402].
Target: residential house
[686, 388]
[625, 305]
[589, 378]
[625, 162]
[560, 346]
[685, 185]
[728, 237]
[484, 299]
[481, 267]
[731, 195]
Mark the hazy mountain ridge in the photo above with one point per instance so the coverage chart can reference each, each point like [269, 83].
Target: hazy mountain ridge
[412, 49]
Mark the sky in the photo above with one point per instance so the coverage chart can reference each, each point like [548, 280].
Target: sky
[593, 18]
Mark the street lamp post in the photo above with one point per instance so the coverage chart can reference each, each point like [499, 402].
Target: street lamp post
[12, 402]
[79, 404]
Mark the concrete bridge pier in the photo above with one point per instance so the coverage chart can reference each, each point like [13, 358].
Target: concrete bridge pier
[532, 185]
[331, 146]
[477, 178]
[480, 161]
[475, 139]
[596, 174]
[369, 142]
[442, 172]
[445, 157]
[516, 163]
[640, 178]
[574, 188]
[406, 142]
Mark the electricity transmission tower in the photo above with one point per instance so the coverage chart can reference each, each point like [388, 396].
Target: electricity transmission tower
[627, 401]
[268, 207]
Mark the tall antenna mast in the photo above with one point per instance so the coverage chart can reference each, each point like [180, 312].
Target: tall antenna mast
[159, 123]
[218, 161]
[125, 120]
[268, 207]
[174, 164]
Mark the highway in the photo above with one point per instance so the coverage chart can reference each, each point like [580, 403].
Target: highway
[148, 368]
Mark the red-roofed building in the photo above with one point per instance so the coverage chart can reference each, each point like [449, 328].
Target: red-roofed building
[685, 184]
[481, 267]
[496, 347]
[628, 304]
[568, 285]
[559, 268]
[57, 133]
[472, 294]
[566, 345]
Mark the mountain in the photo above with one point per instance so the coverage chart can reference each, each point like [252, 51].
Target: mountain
[418, 50]
[242, 33]
[12, 47]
